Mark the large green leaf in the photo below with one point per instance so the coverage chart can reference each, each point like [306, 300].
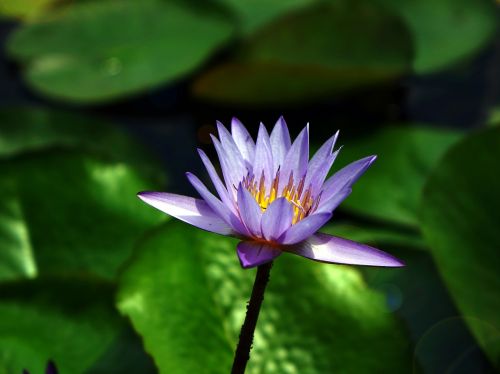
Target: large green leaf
[69, 321]
[103, 50]
[23, 8]
[186, 293]
[76, 213]
[27, 129]
[390, 190]
[460, 220]
[446, 31]
[325, 49]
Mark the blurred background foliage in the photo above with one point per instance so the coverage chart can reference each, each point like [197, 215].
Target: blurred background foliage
[100, 99]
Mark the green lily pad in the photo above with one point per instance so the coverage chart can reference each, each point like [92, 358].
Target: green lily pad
[390, 190]
[79, 212]
[69, 321]
[28, 129]
[186, 294]
[321, 50]
[99, 51]
[446, 31]
[460, 220]
[25, 9]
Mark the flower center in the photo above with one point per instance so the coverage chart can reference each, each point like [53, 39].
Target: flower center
[302, 200]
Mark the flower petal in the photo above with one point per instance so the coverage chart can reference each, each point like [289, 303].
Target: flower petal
[277, 219]
[219, 186]
[232, 175]
[188, 209]
[280, 143]
[320, 165]
[263, 162]
[346, 177]
[243, 141]
[250, 212]
[296, 159]
[229, 145]
[304, 228]
[216, 205]
[330, 205]
[326, 248]
[253, 254]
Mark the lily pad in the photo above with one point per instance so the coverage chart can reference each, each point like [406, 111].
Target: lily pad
[473, 23]
[24, 9]
[460, 219]
[79, 212]
[186, 293]
[71, 322]
[390, 190]
[98, 51]
[320, 50]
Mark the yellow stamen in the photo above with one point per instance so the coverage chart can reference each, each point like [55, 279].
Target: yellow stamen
[303, 201]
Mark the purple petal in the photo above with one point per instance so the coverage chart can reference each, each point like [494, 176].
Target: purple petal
[330, 205]
[219, 186]
[326, 248]
[296, 159]
[216, 205]
[188, 209]
[304, 228]
[346, 177]
[243, 141]
[250, 212]
[233, 154]
[280, 143]
[253, 254]
[277, 219]
[263, 162]
[229, 145]
[232, 175]
[320, 164]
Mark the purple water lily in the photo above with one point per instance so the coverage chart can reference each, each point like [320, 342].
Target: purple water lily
[273, 197]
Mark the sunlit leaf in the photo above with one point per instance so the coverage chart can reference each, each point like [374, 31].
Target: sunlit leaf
[104, 50]
[446, 31]
[79, 212]
[460, 220]
[390, 190]
[70, 322]
[494, 117]
[186, 294]
[323, 49]
[16, 252]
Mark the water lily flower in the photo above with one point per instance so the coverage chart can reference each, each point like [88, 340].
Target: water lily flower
[273, 197]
